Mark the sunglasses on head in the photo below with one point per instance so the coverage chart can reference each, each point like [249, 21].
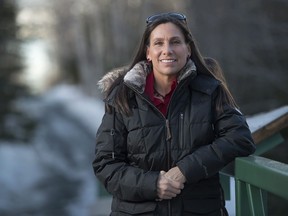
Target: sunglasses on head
[178, 16]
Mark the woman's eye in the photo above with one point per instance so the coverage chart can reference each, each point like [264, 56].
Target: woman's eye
[176, 42]
[158, 43]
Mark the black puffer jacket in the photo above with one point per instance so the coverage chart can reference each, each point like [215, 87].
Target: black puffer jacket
[131, 151]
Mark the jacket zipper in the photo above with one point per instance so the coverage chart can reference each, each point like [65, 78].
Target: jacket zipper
[169, 143]
[168, 131]
[167, 123]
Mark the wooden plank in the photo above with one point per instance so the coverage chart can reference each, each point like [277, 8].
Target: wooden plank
[265, 125]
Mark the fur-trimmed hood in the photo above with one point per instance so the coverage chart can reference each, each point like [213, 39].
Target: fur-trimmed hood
[136, 77]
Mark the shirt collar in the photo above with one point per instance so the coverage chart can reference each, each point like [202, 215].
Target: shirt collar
[149, 89]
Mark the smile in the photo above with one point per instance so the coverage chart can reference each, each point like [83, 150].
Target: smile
[168, 60]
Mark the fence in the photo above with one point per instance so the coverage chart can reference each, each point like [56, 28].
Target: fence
[255, 175]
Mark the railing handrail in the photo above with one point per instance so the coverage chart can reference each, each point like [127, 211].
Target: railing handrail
[269, 175]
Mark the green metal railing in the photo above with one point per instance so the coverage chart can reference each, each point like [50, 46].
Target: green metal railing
[254, 177]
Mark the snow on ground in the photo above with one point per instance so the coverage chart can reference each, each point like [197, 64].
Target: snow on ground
[53, 175]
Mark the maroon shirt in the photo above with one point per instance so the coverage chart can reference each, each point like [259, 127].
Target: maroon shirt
[161, 102]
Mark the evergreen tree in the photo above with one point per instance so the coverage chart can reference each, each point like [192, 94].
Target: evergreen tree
[14, 124]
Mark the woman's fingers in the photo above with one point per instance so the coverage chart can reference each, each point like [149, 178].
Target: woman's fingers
[167, 188]
[176, 175]
[175, 184]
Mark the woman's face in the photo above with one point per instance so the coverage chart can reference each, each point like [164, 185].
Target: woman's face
[167, 50]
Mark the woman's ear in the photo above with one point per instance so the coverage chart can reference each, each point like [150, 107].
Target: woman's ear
[147, 54]
[189, 51]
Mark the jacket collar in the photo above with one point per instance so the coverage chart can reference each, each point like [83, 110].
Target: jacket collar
[136, 77]
[204, 83]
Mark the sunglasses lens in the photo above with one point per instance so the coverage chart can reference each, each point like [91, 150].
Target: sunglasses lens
[157, 16]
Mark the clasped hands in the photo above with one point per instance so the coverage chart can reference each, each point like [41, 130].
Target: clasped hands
[170, 183]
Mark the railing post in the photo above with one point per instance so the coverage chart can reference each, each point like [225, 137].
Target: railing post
[250, 200]
[254, 177]
[257, 202]
[242, 205]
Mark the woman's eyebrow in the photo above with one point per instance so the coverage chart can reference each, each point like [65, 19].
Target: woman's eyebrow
[162, 38]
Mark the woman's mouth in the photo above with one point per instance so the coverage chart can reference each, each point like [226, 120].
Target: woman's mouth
[168, 60]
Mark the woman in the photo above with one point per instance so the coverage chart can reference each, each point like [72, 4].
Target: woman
[169, 127]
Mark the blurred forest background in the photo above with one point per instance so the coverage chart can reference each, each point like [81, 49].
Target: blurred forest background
[52, 53]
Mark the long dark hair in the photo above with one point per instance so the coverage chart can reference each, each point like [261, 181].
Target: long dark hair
[121, 96]
[224, 93]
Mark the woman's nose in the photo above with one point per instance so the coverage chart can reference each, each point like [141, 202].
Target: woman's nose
[167, 49]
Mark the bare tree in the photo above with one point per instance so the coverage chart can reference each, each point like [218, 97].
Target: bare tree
[249, 40]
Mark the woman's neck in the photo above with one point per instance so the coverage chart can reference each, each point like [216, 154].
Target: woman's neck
[163, 84]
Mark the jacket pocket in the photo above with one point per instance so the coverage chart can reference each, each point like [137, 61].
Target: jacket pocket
[181, 130]
[135, 208]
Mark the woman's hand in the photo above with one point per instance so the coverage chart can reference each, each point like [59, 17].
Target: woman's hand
[167, 188]
[176, 175]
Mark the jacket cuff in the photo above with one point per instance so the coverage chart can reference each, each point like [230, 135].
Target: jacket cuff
[192, 170]
[149, 185]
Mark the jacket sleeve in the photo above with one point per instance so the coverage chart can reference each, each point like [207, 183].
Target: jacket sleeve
[112, 167]
[233, 139]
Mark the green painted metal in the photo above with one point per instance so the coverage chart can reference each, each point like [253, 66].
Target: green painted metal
[254, 177]
[269, 143]
[242, 204]
[225, 183]
[256, 200]
[102, 192]
[262, 147]
[250, 200]
[264, 173]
